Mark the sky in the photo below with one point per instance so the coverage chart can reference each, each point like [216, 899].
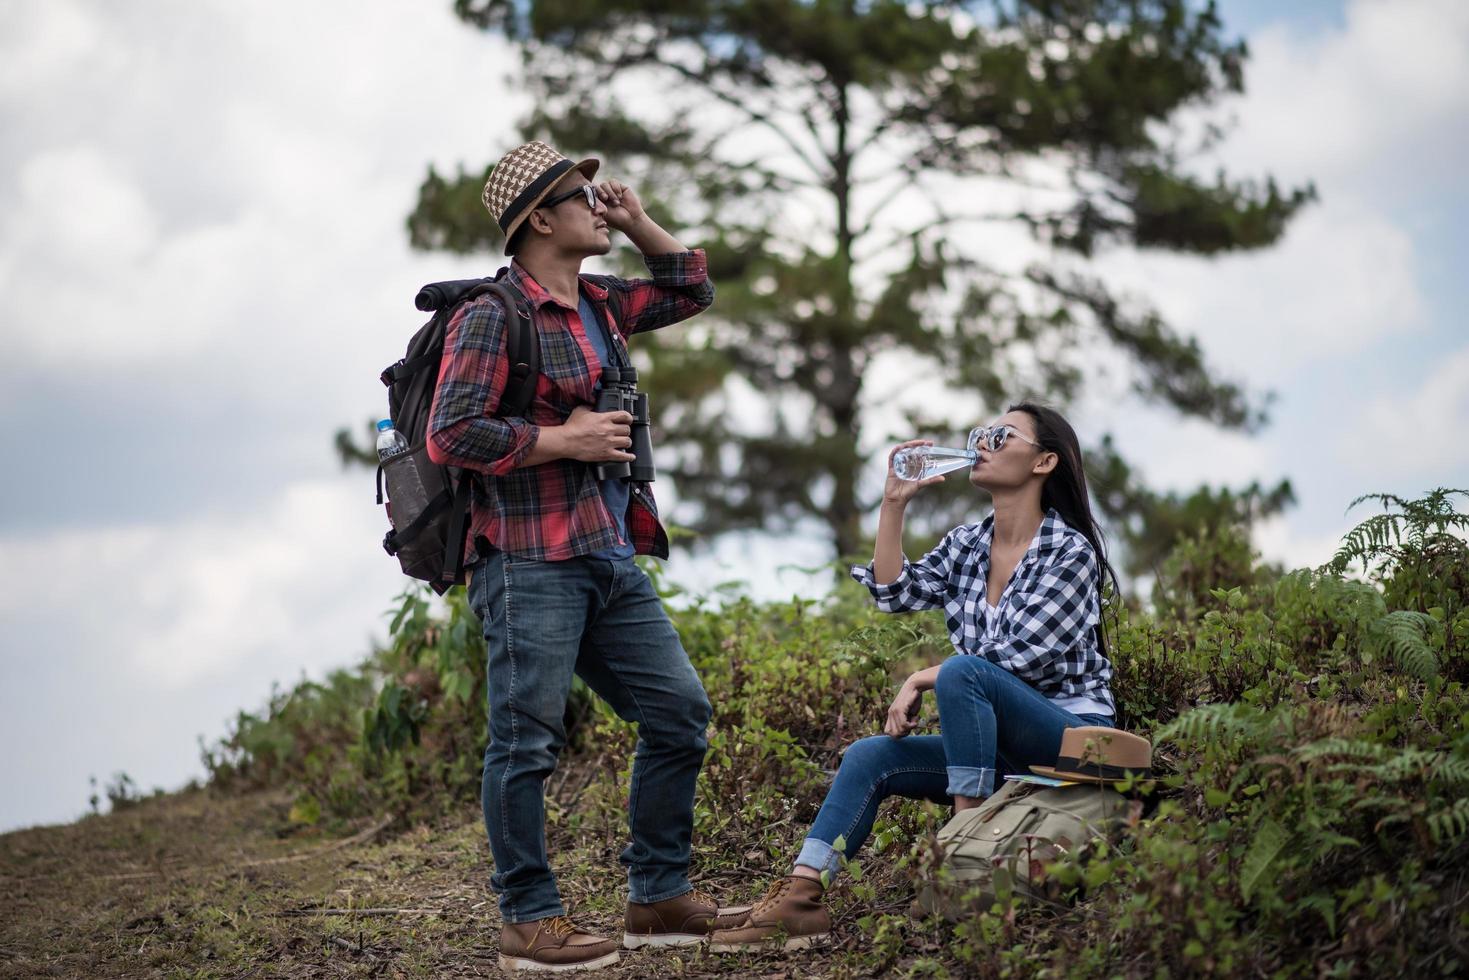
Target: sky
[203, 267]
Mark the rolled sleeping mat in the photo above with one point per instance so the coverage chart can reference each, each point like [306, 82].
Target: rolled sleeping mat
[437, 295]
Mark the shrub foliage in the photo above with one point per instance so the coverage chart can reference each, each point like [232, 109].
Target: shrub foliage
[1309, 815]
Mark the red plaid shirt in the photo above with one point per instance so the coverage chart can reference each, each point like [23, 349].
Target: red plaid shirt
[555, 510]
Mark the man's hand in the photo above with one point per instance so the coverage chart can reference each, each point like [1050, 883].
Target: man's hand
[625, 214]
[597, 437]
[624, 210]
[903, 715]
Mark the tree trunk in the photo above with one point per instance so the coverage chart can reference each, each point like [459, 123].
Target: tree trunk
[844, 516]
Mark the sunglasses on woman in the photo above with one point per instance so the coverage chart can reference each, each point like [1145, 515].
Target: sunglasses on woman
[994, 437]
[587, 191]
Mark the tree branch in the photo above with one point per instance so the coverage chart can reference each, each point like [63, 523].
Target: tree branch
[753, 115]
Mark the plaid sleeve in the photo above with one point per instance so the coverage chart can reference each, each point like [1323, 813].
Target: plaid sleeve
[472, 377]
[680, 288]
[923, 584]
[1049, 631]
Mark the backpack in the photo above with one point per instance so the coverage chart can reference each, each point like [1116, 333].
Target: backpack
[1003, 845]
[428, 504]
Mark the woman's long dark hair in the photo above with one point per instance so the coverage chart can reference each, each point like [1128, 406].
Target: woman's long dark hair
[1065, 488]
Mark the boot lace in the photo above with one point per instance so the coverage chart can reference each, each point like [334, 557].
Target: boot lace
[558, 927]
[776, 890]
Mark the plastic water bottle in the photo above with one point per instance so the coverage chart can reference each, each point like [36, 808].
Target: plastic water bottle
[921, 462]
[405, 486]
[390, 441]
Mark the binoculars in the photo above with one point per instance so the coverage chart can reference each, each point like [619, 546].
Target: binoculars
[620, 394]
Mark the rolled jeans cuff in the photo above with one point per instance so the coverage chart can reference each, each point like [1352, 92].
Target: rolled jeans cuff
[970, 782]
[820, 855]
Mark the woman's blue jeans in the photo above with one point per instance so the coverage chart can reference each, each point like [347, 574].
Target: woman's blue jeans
[990, 721]
[603, 621]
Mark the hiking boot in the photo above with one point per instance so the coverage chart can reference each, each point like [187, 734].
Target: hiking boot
[789, 917]
[553, 944]
[680, 921]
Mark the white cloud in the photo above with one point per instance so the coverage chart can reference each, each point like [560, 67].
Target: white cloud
[1345, 107]
[1278, 541]
[296, 583]
[1418, 434]
[75, 205]
[1342, 279]
[43, 43]
[124, 644]
[1373, 113]
[766, 567]
[203, 194]
[1181, 455]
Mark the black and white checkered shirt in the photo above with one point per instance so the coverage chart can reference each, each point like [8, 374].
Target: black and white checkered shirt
[1048, 613]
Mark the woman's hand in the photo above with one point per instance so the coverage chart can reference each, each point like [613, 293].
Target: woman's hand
[898, 490]
[903, 715]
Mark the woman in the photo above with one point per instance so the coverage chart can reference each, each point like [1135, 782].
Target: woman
[1021, 592]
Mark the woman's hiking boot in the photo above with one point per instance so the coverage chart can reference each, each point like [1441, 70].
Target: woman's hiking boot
[553, 945]
[789, 917]
[681, 921]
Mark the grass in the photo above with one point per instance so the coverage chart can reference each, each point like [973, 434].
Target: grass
[200, 884]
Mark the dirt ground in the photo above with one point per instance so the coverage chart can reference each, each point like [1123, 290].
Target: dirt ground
[195, 885]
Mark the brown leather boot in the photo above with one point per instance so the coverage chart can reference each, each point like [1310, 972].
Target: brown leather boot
[553, 944]
[680, 921]
[790, 916]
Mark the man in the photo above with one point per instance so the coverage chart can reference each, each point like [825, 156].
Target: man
[551, 548]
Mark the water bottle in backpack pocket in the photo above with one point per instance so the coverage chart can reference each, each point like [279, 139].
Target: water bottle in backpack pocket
[414, 493]
[405, 482]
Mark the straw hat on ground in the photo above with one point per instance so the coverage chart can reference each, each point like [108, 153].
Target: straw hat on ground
[523, 178]
[1097, 754]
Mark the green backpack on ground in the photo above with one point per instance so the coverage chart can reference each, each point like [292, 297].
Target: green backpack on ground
[1004, 844]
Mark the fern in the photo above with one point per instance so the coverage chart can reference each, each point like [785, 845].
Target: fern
[1387, 763]
[1322, 903]
[1366, 541]
[1405, 764]
[1450, 825]
[1209, 723]
[1452, 771]
[1431, 518]
[1270, 840]
[1404, 634]
[1343, 747]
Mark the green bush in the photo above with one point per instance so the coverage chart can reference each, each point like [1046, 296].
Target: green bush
[1310, 813]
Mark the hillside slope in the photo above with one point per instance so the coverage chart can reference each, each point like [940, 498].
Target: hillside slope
[1309, 815]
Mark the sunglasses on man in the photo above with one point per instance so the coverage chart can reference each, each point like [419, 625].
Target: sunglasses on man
[994, 437]
[586, 191]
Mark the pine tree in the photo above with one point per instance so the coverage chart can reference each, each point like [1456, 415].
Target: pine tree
[842, 162]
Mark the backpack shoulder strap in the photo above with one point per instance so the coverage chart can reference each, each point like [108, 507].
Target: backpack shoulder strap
[614, 306]
[614, 303]
[523, 346]
[614, 296]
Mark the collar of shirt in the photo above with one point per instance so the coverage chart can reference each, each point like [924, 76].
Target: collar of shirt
[536, 294]
[1048, 538]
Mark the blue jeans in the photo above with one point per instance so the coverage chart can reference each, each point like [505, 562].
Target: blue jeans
[990, 719]
[603, 621]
